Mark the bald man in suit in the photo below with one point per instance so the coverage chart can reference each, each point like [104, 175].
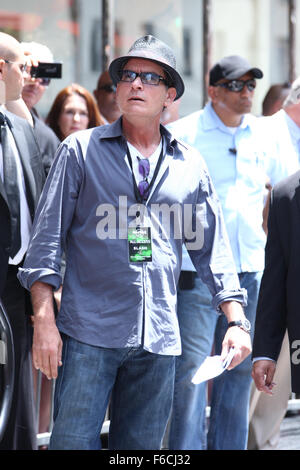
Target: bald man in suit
[17, 141]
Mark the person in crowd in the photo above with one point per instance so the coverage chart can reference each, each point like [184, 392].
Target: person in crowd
[274, 98]
[117, 331]
[230, 140]
[277, 309]
[73, 109]
[33, 91]
[272, 103]
[265, 414]
[283, 127]
[21, 180]
[282, 131]
[105, 95]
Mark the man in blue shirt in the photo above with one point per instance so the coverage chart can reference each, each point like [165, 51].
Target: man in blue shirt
[120, 200]
[232, 144]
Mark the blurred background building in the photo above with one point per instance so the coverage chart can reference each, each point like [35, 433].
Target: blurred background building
[86, 34]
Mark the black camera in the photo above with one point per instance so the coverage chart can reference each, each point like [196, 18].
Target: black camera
[47, 70]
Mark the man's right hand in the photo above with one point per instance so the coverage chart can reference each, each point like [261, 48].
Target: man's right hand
[47, 342]
[46, 348]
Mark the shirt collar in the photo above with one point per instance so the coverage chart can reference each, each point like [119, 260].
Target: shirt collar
[114, 130]
[212, 121]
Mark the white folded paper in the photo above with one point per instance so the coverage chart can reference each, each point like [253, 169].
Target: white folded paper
[212, 366]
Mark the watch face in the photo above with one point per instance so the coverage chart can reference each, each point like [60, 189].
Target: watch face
[246, 324]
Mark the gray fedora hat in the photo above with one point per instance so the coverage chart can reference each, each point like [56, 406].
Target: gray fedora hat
[150, 48]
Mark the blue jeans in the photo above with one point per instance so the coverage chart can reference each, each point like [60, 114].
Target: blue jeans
[201, 328]
[139, 384]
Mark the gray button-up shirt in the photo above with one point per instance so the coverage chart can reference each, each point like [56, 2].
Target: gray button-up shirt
[86, 207]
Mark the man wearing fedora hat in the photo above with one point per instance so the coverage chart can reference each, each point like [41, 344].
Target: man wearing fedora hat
[237, 154]
[116, 335]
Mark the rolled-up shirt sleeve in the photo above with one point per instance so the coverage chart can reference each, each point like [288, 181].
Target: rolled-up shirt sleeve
[52, 220]
[213, 257]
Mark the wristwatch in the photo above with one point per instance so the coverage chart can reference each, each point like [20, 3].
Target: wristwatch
[243, 324]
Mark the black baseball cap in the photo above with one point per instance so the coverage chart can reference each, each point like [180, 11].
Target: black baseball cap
[231, 68]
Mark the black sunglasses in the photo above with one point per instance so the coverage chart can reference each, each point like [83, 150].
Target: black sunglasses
[147, 78]
[238, 85]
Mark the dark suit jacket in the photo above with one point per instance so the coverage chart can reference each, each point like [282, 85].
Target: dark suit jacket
[47, 140]
[34, 176]
[279, 299]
